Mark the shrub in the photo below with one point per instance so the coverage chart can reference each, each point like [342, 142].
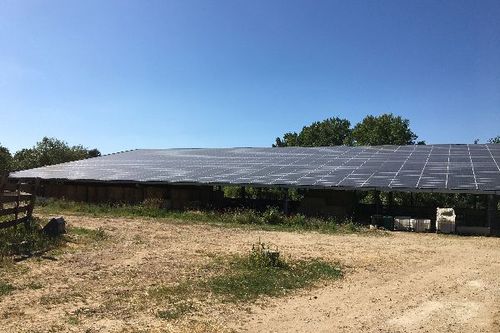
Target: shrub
[350, 226]
[273, 216]
[247, 216]
[297, 220]
[263, 256]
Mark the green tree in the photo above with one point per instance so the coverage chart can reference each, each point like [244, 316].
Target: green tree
[93, 153]
[290, 139]
[329, 132]
[386, 129]
[5, 160]
[50, 151]
[494, 140]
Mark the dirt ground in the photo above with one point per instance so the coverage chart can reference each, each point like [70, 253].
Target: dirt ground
[403, 282]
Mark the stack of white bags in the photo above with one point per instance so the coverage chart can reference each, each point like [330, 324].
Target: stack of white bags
[445, 220]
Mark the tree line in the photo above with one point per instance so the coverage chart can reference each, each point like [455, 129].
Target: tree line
[386, 129]
[48, 151]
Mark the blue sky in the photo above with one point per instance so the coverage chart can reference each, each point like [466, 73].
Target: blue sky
[118, 75]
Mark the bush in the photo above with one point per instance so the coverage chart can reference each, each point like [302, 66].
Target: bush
[297, 220]
[263, 256]
[350, 226]
[245, 217]
[273, 216]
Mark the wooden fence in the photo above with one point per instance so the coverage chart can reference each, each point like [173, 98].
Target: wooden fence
[16, 204]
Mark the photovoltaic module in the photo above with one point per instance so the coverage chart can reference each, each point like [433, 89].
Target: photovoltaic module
[441, 168]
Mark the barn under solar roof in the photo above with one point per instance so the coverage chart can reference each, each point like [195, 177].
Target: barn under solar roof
[440, 168]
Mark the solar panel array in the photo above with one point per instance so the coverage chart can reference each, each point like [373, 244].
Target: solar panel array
[458, 168]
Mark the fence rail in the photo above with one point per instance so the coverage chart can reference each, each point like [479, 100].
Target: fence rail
[16, 205]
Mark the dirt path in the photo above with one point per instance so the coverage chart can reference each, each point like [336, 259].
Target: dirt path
[400, 283]
[422, 283]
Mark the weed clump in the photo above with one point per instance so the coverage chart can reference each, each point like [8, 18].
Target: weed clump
[176, 310]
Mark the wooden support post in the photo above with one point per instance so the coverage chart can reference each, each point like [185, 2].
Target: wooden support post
[493, 221]
[378, 202]
[432, 226]
[106, 194]
[390, 202]
[285, 202]
[18, 199]
[31, 207]
[354, 204]
[219, 197]
[36, 189]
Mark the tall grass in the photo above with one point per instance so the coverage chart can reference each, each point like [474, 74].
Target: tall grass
[271, 219]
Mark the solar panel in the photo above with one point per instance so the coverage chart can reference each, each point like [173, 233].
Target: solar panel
[441, 168]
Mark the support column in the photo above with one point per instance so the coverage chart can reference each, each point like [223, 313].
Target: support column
[493, 221]
[390, 202]
[354, 203]
[217, 197]
[37, 188]
[243, 193]
[378, 202]
[285, 202]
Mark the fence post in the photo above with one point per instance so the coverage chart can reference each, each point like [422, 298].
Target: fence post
[29, 212]
[3, 180]
[34, 194]
[18, 199]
